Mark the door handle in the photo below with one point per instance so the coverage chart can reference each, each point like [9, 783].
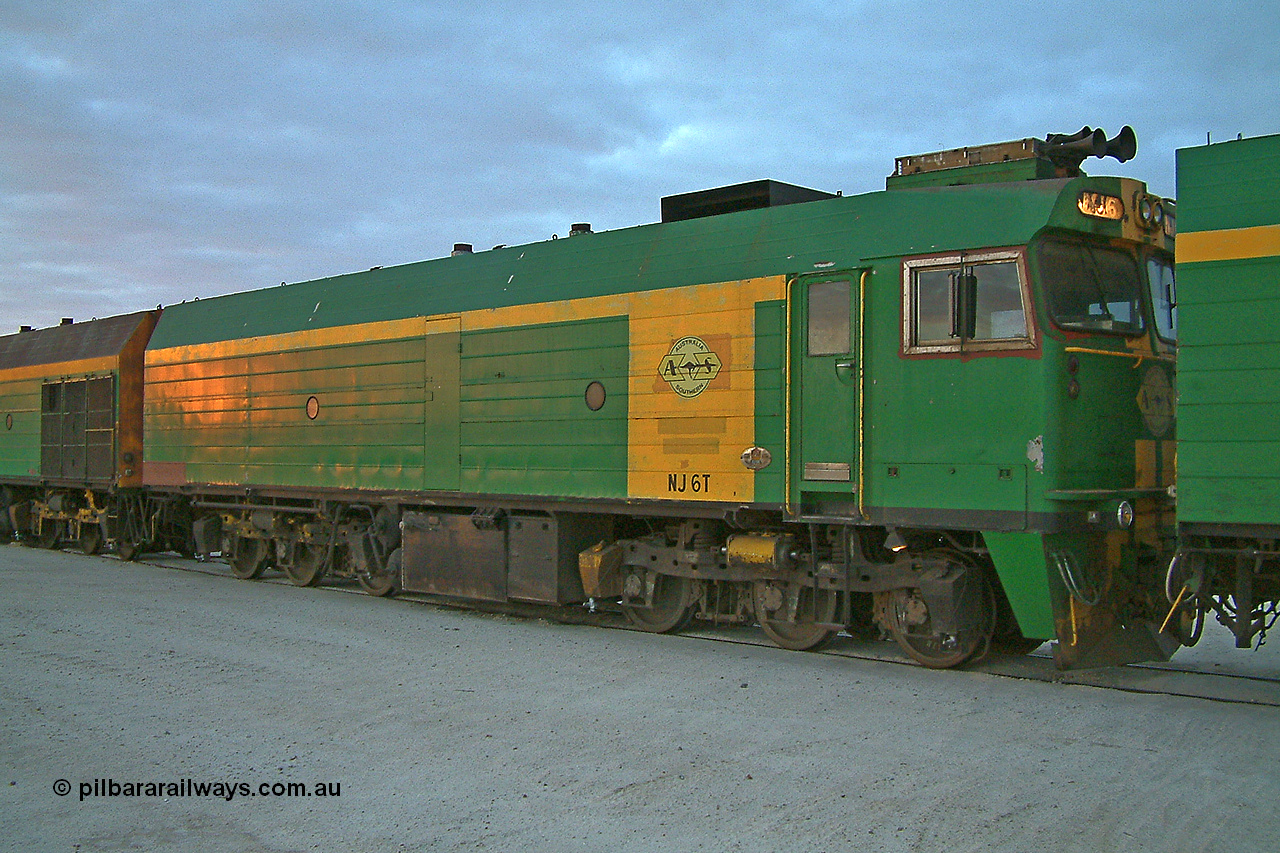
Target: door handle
[844, 369]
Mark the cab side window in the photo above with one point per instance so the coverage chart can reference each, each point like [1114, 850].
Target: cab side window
[968, 302]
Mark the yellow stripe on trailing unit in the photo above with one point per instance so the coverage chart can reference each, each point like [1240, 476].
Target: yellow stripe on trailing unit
[1229, 244]
[83, 367]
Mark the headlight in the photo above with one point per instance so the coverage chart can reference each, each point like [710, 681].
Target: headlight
[1150, 211]
[1120, 514]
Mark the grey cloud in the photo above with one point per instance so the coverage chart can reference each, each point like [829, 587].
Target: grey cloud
[156, 152]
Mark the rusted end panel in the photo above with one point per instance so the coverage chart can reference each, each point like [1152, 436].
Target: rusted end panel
[129, 451]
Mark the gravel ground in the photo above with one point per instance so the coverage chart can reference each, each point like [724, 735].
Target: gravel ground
[449, 730]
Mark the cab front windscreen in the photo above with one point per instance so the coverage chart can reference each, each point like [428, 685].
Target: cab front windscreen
[1091, 288]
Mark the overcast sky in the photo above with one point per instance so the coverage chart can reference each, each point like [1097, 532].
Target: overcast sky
[155, 152]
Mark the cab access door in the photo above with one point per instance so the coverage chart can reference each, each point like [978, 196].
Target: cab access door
[824, 395]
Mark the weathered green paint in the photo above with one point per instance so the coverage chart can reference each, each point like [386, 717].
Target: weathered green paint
[1020, 562]
[825, 387]
[526, 428]
[244, 420]
[20, 443]
[770, 376]
[956, 486]
[749, 244]
[1105, 412]
[441, 460]
[1228, 185]
[1229, 347]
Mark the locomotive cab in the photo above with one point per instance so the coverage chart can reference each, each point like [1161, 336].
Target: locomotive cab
[1109, 305]
[1028, 421]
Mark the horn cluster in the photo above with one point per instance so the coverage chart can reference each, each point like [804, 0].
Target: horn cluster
[1070, 149]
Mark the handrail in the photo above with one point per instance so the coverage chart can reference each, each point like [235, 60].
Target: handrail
[1140, 356]
[862, 384]
[787, 356]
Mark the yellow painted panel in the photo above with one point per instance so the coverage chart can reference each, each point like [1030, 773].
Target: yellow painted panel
[568, 311]
[691, 406]
[359, 333]
[1230, 244]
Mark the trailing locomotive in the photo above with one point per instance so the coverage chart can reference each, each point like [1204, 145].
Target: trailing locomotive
[1228, 256]
[71, 456]
[942, 410]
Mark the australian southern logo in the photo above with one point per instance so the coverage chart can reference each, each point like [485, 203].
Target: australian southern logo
[1155, 401]
[689, 367]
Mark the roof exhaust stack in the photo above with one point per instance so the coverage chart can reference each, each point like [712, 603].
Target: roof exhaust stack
[67, 321]
[461, 249]
[579, 228]
[22, 329]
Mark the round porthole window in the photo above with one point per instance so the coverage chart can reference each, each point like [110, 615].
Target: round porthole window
[595, 396]
[313, 407]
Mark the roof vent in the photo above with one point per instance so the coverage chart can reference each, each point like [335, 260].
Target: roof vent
[22, 329]
[579, 228]
[67, 321]
[461, 249]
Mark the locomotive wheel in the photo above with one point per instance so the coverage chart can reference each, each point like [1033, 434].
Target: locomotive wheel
[385, 582]
[250, 559]
[911, 627]
[672, 603]
[1188, 623]
[793, 615]
[1183, 584]
[90, 538]
[50, 537]
[308, 565]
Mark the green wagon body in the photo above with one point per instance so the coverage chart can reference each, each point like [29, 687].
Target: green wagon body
[1229, 379]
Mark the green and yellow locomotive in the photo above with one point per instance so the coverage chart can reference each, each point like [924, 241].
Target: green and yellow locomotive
[942, 410]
